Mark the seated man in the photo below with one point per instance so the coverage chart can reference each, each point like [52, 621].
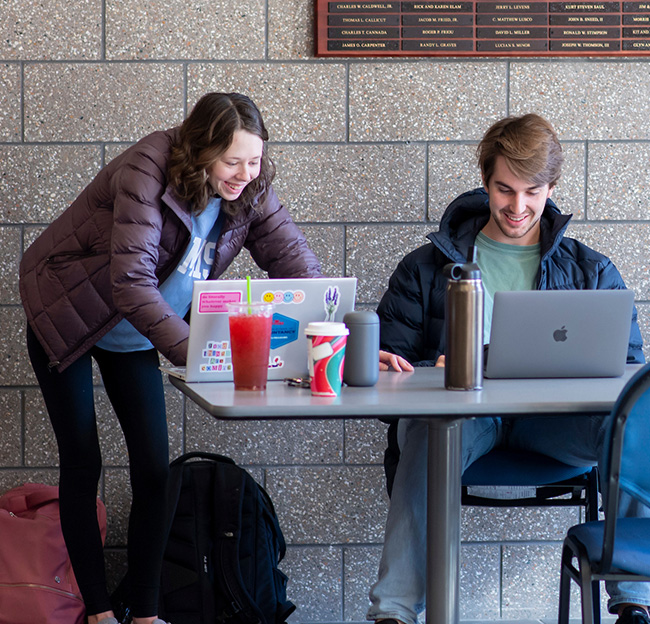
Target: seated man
[519, 233]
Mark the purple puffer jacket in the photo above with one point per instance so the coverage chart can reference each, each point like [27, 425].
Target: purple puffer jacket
[103, 258]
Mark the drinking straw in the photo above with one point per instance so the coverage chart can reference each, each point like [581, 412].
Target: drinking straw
[248, 292]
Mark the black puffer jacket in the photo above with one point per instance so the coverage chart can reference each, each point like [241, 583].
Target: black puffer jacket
[413, 308]
[103, 258]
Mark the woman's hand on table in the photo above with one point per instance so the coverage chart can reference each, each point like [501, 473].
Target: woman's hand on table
[390, 361]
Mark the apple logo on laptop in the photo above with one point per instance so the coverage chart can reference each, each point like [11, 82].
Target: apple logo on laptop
[559, 335]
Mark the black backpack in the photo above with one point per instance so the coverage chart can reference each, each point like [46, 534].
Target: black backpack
[224, 546]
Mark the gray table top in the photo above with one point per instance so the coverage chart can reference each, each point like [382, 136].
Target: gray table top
[417, 394]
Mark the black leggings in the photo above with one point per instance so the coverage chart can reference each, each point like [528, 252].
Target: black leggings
[134, 386]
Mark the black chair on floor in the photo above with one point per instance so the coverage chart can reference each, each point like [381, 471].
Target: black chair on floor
[615, 549]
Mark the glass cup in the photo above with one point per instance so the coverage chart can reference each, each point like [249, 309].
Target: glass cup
[250, 342]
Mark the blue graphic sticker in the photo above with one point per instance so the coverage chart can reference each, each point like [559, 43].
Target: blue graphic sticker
[283, 330]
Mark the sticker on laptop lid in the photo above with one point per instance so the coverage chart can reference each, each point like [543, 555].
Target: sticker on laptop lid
[216, 357]
[283, 296]
[331, 300]
[215, 302]
[284, 330]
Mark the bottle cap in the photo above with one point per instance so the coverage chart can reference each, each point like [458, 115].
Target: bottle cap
[467, 271]
[361, 317]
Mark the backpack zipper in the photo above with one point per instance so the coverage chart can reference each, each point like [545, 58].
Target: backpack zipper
[39, 586]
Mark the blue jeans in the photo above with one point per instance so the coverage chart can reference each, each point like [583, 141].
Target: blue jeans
[400, 590]
[134, 386]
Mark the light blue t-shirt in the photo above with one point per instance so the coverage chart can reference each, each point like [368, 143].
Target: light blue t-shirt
[176, 290]
[504, 267]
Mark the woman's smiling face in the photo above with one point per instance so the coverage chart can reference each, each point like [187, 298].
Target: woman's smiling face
[237, 166]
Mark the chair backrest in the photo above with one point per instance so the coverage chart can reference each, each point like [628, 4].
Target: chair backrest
[627, 461]
[634, 477]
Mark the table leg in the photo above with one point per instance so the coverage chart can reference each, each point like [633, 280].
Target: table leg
[443, 521]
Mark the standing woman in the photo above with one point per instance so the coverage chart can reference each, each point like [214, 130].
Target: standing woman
[111, 280]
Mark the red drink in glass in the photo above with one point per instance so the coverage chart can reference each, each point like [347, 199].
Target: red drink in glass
[250, 341]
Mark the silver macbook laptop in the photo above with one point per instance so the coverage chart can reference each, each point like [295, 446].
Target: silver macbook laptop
[559, 333]
[297, 302]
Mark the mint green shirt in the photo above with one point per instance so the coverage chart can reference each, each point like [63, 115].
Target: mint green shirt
[504, 267]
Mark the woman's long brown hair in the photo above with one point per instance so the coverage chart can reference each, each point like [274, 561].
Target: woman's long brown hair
[205, 135]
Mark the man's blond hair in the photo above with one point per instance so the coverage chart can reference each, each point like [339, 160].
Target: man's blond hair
[529, 145]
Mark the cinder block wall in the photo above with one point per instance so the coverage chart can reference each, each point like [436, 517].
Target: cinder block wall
[369, 152]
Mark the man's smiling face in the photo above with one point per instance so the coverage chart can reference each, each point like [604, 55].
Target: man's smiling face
[516, 206]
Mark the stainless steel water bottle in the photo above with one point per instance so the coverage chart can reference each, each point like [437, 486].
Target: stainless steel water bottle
[361, 366]
[464, 326]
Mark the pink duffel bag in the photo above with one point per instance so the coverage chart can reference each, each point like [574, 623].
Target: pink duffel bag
[37, 585]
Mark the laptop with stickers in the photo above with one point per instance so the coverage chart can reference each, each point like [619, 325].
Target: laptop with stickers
[297, 302]
[559, 333]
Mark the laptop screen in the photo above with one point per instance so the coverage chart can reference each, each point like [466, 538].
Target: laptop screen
[297, 302]
[559, 333]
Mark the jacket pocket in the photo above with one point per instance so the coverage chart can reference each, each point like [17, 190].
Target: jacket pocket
[63, 274]
[72, 256]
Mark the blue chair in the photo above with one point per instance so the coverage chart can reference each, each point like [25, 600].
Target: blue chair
[553, 483]
[616, 549]
[547, 481]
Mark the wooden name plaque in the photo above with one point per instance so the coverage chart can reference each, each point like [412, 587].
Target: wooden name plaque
[444, 28]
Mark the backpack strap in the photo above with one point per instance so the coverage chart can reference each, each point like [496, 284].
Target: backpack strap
[29, 496]
[284, 607]
[175, 482]
[177, 575]
[42, 496]
[272, 517]
[227, 508]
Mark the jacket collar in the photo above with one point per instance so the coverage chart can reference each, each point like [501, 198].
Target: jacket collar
[466, 216]
[179, 207]
[183, 209]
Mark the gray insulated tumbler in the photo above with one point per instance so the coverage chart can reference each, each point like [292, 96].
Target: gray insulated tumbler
[464, 326]
[361, 366]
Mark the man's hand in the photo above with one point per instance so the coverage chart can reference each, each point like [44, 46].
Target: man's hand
[440, 362]
[390, 361]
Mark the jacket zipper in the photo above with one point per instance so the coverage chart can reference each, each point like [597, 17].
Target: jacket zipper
[52, 365]
[62, 257]
[68, 255]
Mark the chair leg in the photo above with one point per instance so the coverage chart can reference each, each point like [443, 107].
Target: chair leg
[586, 591]
[595, 601]
[565, 590]
[591, 497]
[580, 572]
